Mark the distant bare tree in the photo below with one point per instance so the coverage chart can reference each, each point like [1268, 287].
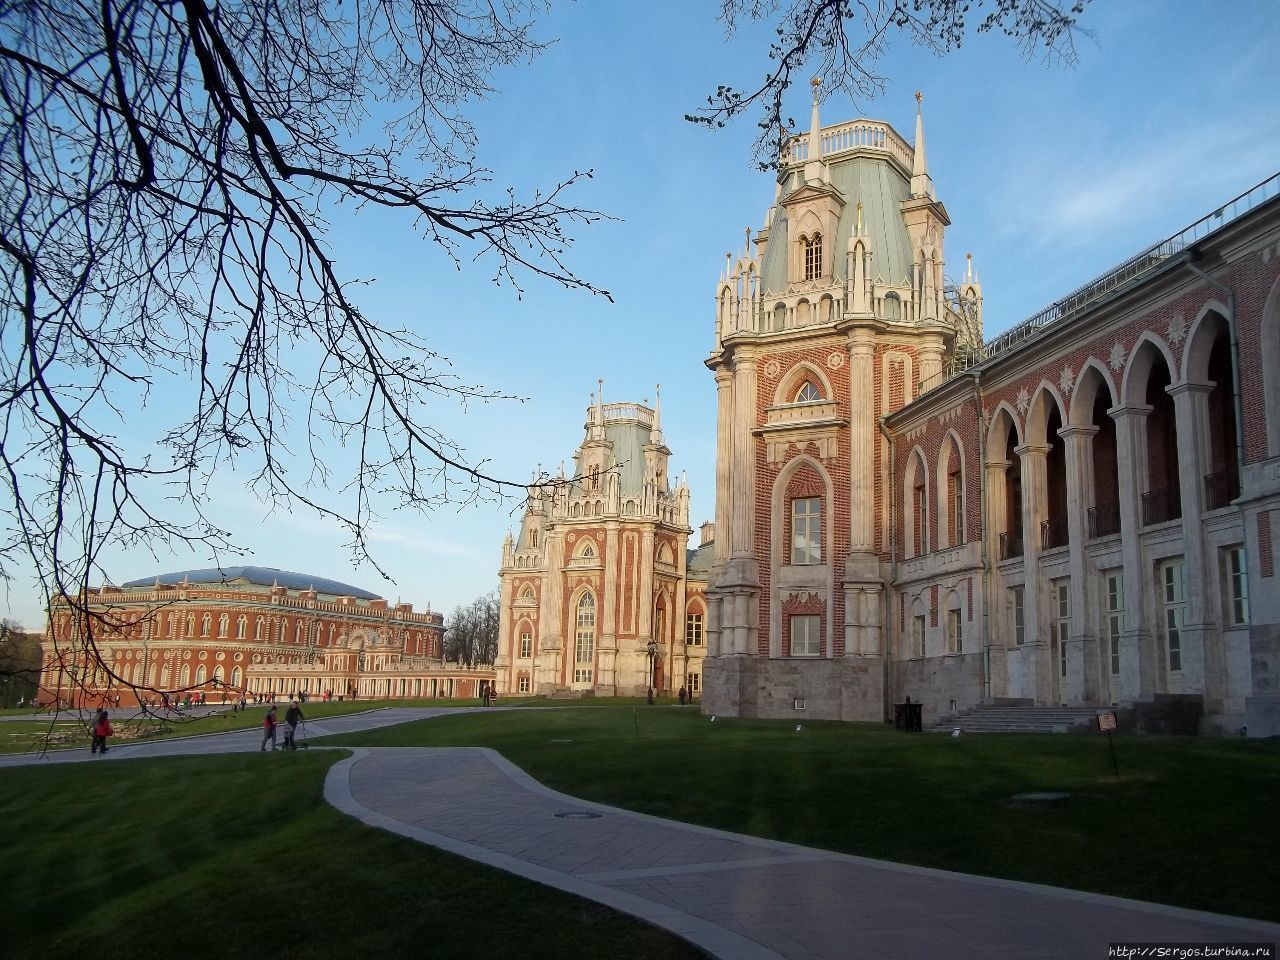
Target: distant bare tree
[19, 664]
[471, 634]
[842, 42]
[166, 174]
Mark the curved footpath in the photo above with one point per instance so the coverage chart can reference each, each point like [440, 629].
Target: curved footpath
[738, 897]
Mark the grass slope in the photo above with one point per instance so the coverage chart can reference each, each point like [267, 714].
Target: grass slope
[1189, 822]
[239, 856]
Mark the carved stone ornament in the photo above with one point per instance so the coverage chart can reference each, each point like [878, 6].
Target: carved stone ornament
[772, 368]
[572, 537]
[1116, 360]
[836, 360]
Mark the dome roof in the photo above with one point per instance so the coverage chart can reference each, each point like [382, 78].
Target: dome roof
[261, 576]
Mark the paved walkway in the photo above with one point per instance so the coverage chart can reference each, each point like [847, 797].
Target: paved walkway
[738, 897]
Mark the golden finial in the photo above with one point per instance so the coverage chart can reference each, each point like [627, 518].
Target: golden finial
[919, 97]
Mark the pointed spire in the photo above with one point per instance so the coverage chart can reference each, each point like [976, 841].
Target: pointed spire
[655, 433]
[815, 141]
[968, 268]
[746, 248]
[728, 265]
[858, 230]
[921, 184]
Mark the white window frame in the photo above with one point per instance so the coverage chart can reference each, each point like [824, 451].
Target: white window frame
[526, 644]
[693, 635]
[1018, 613]
[694, 682]
[584, 639]
[1062, 620]
[1235, 569]
[1172, 584]
[523, 683]
[806, 635]
[808, 393]
[1115, 616]
[806, 531]
[955, 636]
[918, 635]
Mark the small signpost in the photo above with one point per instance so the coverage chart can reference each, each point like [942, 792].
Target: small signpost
[1107, 723]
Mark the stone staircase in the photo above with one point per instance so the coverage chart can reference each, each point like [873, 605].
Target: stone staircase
[1021, 719]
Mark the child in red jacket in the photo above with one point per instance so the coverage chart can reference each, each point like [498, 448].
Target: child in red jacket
[101, 730]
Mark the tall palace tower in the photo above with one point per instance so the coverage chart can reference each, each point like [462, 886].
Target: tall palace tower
[833, 321]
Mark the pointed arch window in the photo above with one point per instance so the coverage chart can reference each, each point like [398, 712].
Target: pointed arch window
[258, 629]
[808, 393]
[191, 625]
[224, 623]
[585, 640]
[205, 622]
[242, 627]
[813, 257]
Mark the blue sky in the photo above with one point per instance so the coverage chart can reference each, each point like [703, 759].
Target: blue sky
[1050, 175]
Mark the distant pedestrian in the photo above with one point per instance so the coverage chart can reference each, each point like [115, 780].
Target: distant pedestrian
[101, 730]
[684, 695]
[291, 718]
[269, 728]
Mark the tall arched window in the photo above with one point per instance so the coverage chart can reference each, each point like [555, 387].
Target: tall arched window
[237, 678]
[191, 625]
[259, 629]
[813, 257]
[584, 644]
[186, 675]
[201, 675]
[224, 623]
[205, 622]
[242, 627]
[219, 675]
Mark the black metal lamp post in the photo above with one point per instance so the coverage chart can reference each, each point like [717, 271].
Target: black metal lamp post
[653, 653]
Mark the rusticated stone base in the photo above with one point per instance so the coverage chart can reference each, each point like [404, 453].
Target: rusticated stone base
[846, 688]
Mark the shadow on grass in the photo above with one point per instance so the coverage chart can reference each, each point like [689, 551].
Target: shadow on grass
[239, 856]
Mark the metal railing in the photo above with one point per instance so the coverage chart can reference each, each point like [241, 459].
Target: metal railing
[1118, 276]
[1161, 506]
[1104, 520]
[1011, 545]
[1053, 533]
[1220, 489]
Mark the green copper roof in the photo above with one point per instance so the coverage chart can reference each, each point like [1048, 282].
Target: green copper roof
[881, 189]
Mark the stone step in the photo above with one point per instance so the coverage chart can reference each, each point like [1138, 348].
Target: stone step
[1019, 719]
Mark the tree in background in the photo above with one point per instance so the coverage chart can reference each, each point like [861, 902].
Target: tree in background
[165, 174]
[842, 42]
[471, 634]
[19, 664]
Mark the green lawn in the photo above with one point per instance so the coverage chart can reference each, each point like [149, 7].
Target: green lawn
[239, 856]
[1190, 822]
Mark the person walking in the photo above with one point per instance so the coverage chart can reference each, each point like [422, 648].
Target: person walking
[101, 730]
[269, 728]
[291, 718]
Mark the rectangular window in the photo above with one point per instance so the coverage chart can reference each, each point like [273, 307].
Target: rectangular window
[806, 530]
[1237, 582]
[524, 683]
[953, 631]
[813, 258]
[917, 636]
[693, 630]
[1173, 596]
[805, 639]
[1061, 620]
[1017, 607]
[1115, 617]
[526, 645]
[695, 682]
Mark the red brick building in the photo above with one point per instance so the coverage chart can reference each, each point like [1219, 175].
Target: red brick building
[600, 592]
[1080, 511]
[245, 631]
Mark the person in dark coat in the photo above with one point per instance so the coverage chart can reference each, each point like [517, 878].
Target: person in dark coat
[291, 718]
[269, 728]
[683, 696]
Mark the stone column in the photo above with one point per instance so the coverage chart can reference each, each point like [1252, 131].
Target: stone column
[607, 680]
[1141, 671]
[742, 472]
[551, 616]
[999, 636]
[1203, 664]
[1035, 605]
[1083, 677]
[644, 602]
[862, 438]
